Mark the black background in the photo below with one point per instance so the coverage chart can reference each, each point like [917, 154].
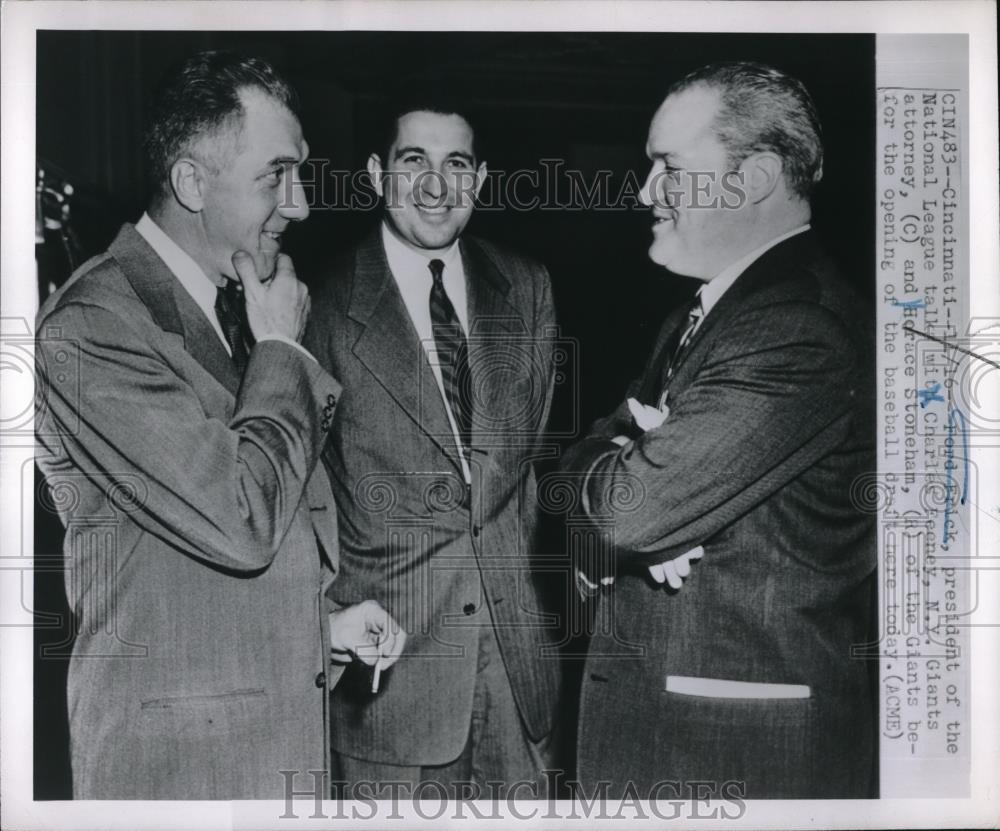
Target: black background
[582, 98]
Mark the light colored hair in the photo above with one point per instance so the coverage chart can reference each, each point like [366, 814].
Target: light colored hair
[763, 109]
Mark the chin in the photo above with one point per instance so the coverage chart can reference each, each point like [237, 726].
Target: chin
[437, 240]
[659, 257]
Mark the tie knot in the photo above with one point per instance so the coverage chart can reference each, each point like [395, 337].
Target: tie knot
[232, 293]
[437, 269]
[696, 307]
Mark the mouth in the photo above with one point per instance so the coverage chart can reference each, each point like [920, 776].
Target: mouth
[433, 210]
[273, 236]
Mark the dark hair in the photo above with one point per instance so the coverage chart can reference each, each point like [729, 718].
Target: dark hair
[763, 109]
[394, 110]
[200, 96]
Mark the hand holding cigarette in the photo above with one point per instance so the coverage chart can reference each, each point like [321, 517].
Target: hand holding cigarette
[368, 633]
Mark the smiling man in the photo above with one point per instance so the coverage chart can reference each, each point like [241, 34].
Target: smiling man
[444, 344]
[746, 436]
[180, 435]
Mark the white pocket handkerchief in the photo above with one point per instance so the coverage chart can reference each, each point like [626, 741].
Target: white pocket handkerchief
[721, 688]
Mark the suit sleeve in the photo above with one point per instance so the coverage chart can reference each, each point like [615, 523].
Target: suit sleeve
[224, 493]
[770, 396]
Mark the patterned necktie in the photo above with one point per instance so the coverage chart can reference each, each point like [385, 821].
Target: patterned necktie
[453, 355]
[230, 309]
[672, 355]
[693, 319]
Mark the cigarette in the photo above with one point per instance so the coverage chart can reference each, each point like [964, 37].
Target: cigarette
[377, 675]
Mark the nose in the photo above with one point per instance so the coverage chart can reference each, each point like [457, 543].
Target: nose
[294, 205]
[433, 185]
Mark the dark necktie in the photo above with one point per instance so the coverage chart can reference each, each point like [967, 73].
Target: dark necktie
[230, 309]
[453, 355]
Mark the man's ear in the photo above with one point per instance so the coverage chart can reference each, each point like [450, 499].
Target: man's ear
[762, 173]
[374, 167]
[188, 181]
[480, 178]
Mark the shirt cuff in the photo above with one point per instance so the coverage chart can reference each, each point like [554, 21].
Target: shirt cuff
[290, 342]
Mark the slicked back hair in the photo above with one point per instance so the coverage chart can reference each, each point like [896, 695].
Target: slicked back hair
[763, 109]
[439, 105]
[198, 97]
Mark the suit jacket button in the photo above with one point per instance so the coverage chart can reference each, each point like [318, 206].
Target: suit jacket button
[320, 680]
[469, 608]
[475, 530]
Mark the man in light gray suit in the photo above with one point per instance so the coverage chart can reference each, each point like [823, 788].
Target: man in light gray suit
[180, 436]
[444, 344]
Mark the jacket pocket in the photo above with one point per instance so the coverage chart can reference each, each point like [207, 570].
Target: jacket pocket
[203, 714]
[205, 700]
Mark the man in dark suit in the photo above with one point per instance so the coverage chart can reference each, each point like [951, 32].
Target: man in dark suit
[180, 432]
[445, 350]
[741, 441]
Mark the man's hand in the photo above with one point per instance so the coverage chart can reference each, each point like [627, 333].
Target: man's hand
[676, 570]
[278, 307]
[367, 632]
[646, 417]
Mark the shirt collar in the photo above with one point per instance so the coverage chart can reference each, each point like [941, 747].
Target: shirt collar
[405, 260]
[712, 291]
[188, 273]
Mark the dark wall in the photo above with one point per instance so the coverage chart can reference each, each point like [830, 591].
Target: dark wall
[582, 99]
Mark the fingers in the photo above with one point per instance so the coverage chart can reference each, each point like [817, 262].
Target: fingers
[696, 553]
[247, 272]
[391, 646]
[382, 638]
[635, 408]
[674, 580]
[684, 561]
[284, 268]
[674, 572]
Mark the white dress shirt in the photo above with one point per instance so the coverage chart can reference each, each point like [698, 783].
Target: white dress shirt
[190, 275]
[411, 271]
[712, 291]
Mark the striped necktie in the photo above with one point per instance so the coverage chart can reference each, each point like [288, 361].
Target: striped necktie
[693, 319]
[453, 355]
[231, 310]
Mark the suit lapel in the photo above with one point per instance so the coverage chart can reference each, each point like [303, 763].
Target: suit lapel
[390, 348]
[799, 249]
[495, 326]
[171, 307]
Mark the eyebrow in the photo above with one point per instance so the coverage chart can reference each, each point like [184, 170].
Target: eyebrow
[281, 161]
[402, 151]
[454, 154]
[666, 156]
